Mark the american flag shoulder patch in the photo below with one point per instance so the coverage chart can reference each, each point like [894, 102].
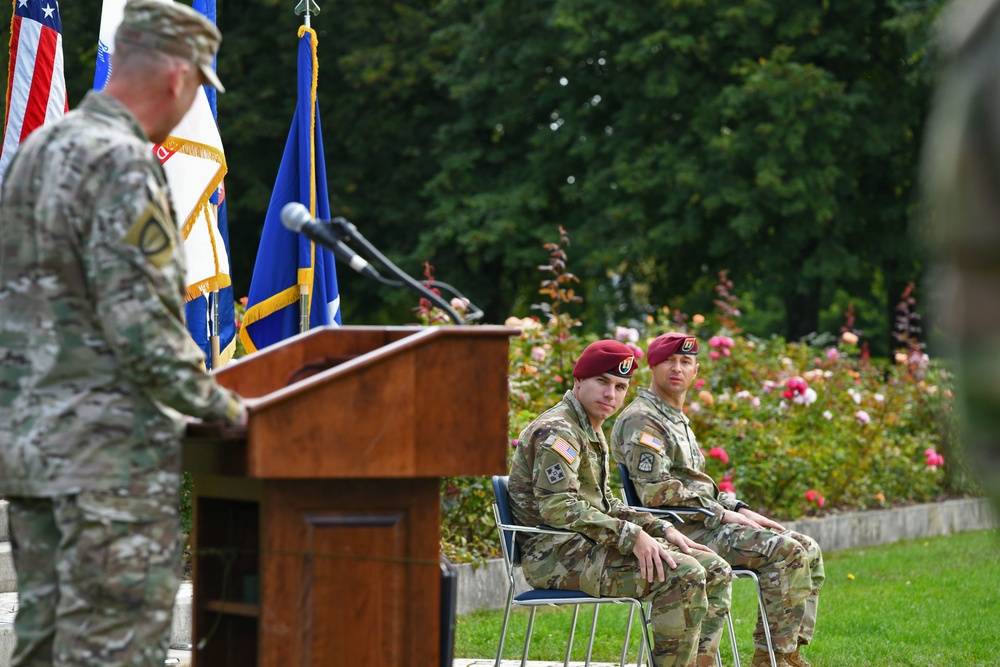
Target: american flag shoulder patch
[651, 441]
[565, 450]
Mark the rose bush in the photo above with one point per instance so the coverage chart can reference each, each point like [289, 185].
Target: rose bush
[792, 428]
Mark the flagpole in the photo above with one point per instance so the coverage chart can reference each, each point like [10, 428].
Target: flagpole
[307, 8]
[214, 340]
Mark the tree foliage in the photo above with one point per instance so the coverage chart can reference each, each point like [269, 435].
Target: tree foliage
[671, 138]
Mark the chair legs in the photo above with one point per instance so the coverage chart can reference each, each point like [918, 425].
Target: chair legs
[743, 573]
[531, 627]
[645, 643]
[732, 642]
[503, 627]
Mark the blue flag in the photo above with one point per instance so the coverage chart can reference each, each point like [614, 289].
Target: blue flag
[289, 267]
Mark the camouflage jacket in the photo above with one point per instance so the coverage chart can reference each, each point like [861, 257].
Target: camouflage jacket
[96, 365]
[559, 478]
[655, 442]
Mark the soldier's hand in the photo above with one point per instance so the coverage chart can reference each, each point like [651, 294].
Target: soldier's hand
[761, 519]
[730, 516]
[652, 555]
[689, 544]
[678, 539]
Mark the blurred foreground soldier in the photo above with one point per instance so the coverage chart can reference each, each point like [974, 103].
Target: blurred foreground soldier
[559, 477]
[961, 174]
[652, 437]
[96, 366]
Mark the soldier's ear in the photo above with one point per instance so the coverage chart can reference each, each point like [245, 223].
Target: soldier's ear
[179, 74]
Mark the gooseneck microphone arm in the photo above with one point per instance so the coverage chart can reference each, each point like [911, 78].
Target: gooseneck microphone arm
[333, 234]
[348, 232]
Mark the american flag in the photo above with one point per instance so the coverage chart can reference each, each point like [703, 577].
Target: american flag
[36, 83]
[565, 449]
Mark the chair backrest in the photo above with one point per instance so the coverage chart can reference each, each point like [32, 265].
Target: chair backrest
[631, 496]
[505, 516]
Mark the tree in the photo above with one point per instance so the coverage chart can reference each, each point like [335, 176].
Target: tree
[671, 138]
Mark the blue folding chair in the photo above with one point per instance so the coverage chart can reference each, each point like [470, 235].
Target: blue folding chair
[549, 597]
[632, 499]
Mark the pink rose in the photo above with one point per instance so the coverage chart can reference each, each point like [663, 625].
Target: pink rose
[719, 453]
[726, 485]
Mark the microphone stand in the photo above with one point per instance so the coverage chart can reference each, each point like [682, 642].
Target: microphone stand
[349, 232]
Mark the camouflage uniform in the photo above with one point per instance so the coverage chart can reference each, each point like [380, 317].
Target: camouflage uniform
[559, 477]
[655, 442]
[961, 173]
[96, 369]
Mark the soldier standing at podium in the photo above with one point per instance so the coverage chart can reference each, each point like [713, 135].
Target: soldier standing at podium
[96, 365]
[559, 477]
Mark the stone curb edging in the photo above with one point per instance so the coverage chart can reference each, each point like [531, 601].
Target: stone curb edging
[485, 586]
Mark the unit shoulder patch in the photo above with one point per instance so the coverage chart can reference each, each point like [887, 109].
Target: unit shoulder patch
[151, 235]
[555, 473]
[645, 462]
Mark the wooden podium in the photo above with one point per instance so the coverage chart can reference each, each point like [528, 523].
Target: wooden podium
[316, 532]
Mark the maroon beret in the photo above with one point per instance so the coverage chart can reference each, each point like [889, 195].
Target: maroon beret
[605, 356]
[671, 343]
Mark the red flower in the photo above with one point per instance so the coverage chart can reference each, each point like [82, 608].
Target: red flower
[795, 386]
[932, 458]
[813, 496]
[726, 485]
[719, 453]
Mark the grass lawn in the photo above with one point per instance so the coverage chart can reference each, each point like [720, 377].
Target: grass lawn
[924, 603]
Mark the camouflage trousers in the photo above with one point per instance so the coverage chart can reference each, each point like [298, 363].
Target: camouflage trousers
[97, 574]
[790, 568]
[687, 610]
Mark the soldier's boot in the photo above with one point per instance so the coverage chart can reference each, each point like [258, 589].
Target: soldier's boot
[797, 660]
[762, 659]
[705, 660]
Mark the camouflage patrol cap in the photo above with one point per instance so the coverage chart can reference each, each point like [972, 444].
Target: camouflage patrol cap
[173, 28]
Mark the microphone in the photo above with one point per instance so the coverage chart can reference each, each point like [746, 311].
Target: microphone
[295, 217]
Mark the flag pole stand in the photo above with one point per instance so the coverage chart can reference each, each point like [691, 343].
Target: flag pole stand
[213, 319]
[303, 308]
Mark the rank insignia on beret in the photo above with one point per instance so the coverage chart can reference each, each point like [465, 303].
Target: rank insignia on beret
[565, 450]
[651, 441]
[645, 462]
[626, 365]
[688, 344]
[555, 473]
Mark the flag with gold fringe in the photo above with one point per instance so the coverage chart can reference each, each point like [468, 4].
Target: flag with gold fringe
[195, 164]
[292, 275]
